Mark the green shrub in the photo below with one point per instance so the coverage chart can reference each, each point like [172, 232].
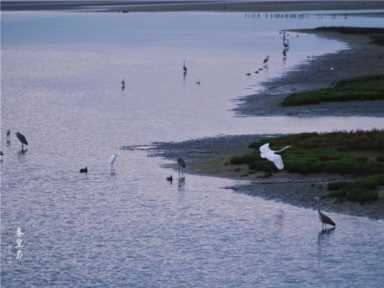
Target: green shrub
[359, 194]
[333, 186]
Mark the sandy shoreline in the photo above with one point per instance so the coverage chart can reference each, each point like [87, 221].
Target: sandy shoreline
[207, 156]
[361, 58]
[145, 6]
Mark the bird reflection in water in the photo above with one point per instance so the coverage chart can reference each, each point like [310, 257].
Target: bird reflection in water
[181, 184]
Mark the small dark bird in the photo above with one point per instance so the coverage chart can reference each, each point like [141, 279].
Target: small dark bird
[256, 72]
[181, 165]
[185, 69]
[198, 82]
[8, 142]
[84, 170]
[248, 74]
[123, 85]
[1, 156]
[170, 179]
[265, 61]
[22, 140]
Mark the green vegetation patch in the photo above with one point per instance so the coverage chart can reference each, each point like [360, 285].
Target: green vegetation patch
[358, 89]
[358, 153]
[361, 190]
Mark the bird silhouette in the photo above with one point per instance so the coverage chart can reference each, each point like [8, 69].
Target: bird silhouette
[324, 219]
[8, 134]
[22, 139]
[185, 69]
[84, 170]
[266, 59]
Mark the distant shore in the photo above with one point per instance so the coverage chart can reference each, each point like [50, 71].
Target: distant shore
[361, 58]
[137, 6]
[208, 156]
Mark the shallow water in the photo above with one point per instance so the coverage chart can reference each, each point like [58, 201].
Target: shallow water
[61, 78]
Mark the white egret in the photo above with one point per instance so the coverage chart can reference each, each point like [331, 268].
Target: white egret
[8, 141]
[112, 160]
[19, 233]
[267, 153]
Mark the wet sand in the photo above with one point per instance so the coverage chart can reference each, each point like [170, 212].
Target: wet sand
[208, 156]
[361, 58]
[137, 6]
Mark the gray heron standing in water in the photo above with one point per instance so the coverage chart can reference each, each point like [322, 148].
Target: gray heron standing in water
[181, 165]
[22, 140]
[324, 219]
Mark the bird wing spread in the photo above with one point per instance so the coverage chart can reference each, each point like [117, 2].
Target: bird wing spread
[265, 150]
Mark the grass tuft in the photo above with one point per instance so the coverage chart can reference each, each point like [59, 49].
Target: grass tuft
[357, 89]
[357, 153]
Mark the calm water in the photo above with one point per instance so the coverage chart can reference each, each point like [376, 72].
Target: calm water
[61, 78]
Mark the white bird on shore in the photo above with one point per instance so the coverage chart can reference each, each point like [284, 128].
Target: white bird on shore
[267, 153]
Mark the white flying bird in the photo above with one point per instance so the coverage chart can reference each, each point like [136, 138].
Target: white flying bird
[267, 153]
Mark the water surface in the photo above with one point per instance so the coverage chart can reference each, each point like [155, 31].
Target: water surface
[61, 76]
